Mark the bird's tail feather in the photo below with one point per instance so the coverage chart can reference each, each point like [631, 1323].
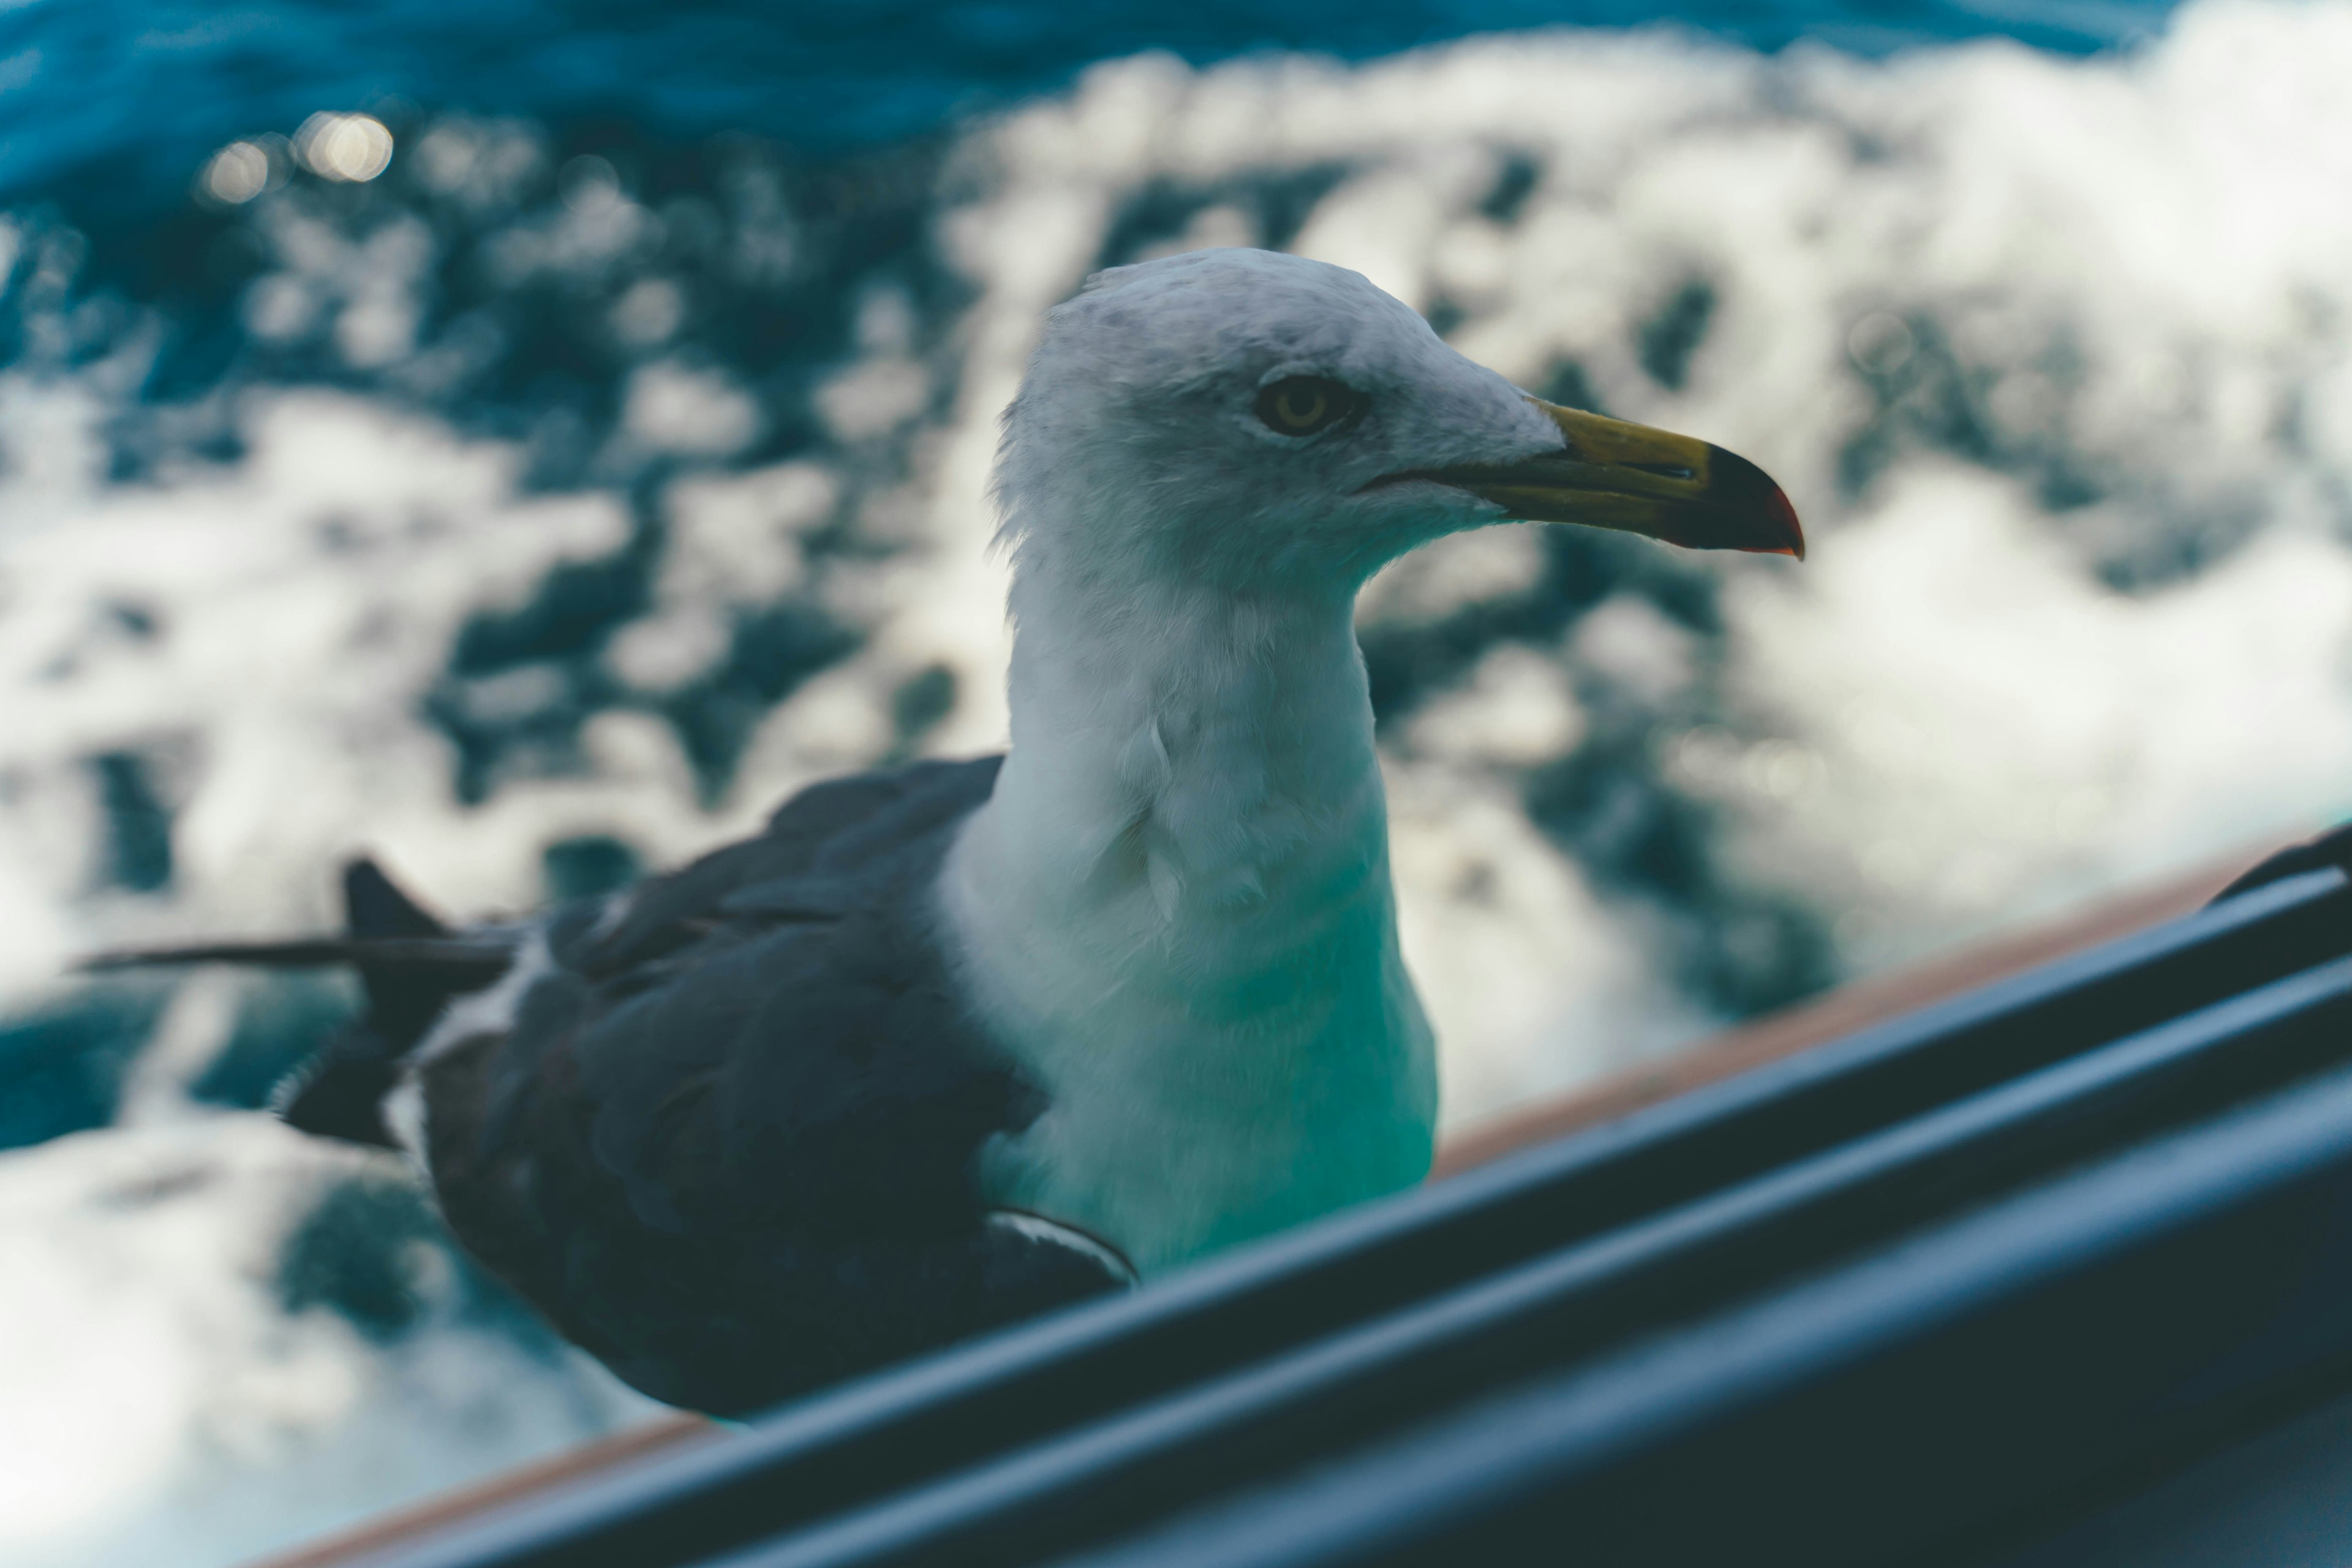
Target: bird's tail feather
[410, 965]
[449, 954]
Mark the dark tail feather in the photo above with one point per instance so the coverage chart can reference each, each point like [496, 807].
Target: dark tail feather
[477, 959]
[410, 965]
[373, 905]
[339, 1092]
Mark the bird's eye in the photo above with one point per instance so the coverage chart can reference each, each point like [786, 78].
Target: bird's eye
[1302, 405]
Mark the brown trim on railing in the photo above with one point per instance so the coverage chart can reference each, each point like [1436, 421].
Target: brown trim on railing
[1840, 1012]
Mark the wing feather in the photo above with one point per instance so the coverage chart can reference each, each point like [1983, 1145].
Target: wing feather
[730, 1145]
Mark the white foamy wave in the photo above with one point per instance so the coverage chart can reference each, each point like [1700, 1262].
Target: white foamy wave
[163, 1406]
[2052, 355]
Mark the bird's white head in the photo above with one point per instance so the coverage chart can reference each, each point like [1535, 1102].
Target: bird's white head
[1245, 421]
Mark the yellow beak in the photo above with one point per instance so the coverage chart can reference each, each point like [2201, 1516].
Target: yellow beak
[1613, 474]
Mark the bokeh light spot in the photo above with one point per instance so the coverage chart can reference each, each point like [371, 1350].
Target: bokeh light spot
[354, 148]
[236, 174]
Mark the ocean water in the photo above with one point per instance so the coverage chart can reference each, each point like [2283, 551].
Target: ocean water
[111, 103]
[610, 460]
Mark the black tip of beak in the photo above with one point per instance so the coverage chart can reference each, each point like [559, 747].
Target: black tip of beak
[1750, 513]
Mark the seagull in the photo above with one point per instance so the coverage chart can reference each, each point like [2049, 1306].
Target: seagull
[951, 1044]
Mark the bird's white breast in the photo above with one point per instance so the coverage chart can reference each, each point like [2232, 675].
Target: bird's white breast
[1176, 912]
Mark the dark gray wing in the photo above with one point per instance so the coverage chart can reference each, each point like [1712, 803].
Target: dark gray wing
[728, 1143]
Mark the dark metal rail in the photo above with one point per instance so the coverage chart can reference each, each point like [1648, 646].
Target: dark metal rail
[1888, 1297]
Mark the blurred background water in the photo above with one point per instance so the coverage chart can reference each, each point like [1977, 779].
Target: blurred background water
[107, 104]
[529, 441]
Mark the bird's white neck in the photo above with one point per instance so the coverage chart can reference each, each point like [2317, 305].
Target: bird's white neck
[1175, 911]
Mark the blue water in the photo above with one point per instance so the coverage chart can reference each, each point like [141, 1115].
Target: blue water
[108, 107]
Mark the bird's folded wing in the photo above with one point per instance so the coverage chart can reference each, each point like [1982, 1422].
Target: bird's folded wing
[727, 1137]
[770, 1038]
